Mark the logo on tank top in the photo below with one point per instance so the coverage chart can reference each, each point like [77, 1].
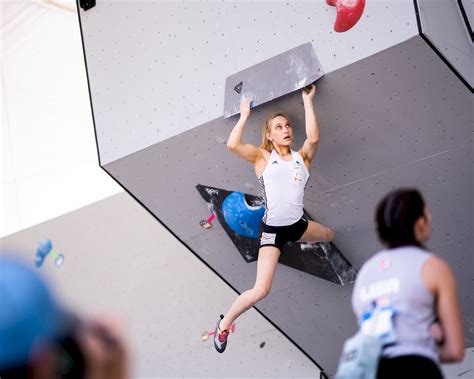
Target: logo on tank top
[378, 289]
[274, 162]
[297, 173]
[384, 264]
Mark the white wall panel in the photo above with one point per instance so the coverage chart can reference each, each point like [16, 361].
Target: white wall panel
[157, 69]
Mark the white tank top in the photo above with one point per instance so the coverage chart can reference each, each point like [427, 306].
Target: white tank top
[396, 275]
[282, 184]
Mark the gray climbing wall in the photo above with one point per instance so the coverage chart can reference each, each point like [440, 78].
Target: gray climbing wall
[442, 22]
[383, 125]
[467, 7]
[392, 114]
[158, 68]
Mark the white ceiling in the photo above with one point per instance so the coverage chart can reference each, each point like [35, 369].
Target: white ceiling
[16, 15]
[47, 144]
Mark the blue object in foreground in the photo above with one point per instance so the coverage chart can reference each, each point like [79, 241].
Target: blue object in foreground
[242, 218]
[29, 312]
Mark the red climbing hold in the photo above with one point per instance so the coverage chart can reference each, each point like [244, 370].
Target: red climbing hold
[348, 13]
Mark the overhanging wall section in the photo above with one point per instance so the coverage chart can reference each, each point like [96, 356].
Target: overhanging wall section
[383, 125]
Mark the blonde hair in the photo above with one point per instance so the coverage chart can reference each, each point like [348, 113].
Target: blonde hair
[266, 143]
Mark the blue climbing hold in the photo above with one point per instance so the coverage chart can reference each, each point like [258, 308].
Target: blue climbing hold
[42, 252]
[242, 218]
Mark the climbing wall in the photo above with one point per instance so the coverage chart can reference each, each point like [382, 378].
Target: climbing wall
[455, 43]
[117, 261]
[157, 69]
[392, 113]
[382, 126]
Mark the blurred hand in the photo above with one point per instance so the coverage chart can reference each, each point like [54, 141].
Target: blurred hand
[437, 333]
[104, 349]
[245, 107]
[308, 92]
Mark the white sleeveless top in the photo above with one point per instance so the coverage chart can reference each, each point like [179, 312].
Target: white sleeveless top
[282, 184]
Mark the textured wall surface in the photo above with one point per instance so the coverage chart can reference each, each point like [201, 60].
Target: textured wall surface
[398, 118]
[119, 260]
[443, 24]
[158, 68]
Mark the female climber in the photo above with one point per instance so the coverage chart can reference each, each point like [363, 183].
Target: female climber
[282, 173]
[415, 286]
